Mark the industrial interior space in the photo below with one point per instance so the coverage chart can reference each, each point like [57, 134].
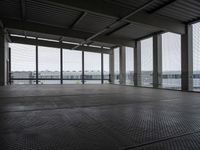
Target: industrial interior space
[99, 74]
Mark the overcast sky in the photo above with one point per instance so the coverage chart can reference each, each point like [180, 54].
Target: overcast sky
[23, 56]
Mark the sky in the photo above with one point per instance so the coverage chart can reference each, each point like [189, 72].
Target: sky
[23, 56]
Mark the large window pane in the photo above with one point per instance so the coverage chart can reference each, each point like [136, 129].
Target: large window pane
[116, 66]
[171, 61]
[196, 57]
[106, 67]
[129, 65]
[23, 66]
[147, 62]
[72, 67]
[48, 65]
[92, 68]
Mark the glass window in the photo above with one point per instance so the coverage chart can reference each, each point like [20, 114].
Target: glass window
[106, 68]
[171, 61]
[116, 66]
[129, 66]
[196, 57]
[72, 67]
[147, 62]
[23, 63]
[48, 65]
[92, 68]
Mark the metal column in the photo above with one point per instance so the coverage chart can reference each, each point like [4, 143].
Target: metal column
[157, 61]
[102, 69]
[61, 64]
[3, 59]
[122, 57]
[137, 64]
[111, 66]
[83, 68]
[36, 62]
[187, 60]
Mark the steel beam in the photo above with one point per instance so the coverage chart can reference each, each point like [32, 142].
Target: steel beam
[57, 45]
[76, 22]
[62, 32]
[23, 9]
[105, 9]
[162, 6]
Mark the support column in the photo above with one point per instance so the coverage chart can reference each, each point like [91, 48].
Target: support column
[187, 60]
[157, 61]
[122, 68]
[61, 64]
[36, 61]
[83, 68]
[102, 69]
[111, 67]
[137, 64]
[4, 58]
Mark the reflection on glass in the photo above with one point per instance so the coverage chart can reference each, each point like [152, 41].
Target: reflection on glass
[171, 61]
[92, 68]
[129, 66]
[147, 62]
[116, 66]
[48, 65]
[23, 67]
[72, 67]
[196, 57]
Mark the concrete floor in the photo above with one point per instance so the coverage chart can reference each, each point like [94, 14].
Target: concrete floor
[97, 117]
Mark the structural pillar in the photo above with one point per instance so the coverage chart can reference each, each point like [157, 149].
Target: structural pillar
[157, 60]
[122, 68]
[61, 64]
[102, 69]
[36, 61]
[187, 60]
[4, 58]
[137, 64]
[111, 66]
[83, 68]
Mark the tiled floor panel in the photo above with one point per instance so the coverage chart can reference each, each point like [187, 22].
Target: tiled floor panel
[98, 117]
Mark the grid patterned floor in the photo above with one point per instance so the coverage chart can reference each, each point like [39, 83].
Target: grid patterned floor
[97, 117]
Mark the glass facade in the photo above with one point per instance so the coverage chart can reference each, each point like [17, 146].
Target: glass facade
[116, 66]
[48, 65]
[72, 67]
[23, 66]
[23, 60]
[129, 66]
[196, 57]
[171, 61]
[147, 62]
[92, 68]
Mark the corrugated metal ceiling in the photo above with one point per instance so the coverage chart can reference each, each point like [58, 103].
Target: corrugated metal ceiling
[46, 13]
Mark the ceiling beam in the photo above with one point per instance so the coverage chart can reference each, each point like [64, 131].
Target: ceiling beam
[23, 9]
[57, 45]
[63, 32]
[117, 29]
[119, 20]
[78, 20]
[162, 6]
[105, 9]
